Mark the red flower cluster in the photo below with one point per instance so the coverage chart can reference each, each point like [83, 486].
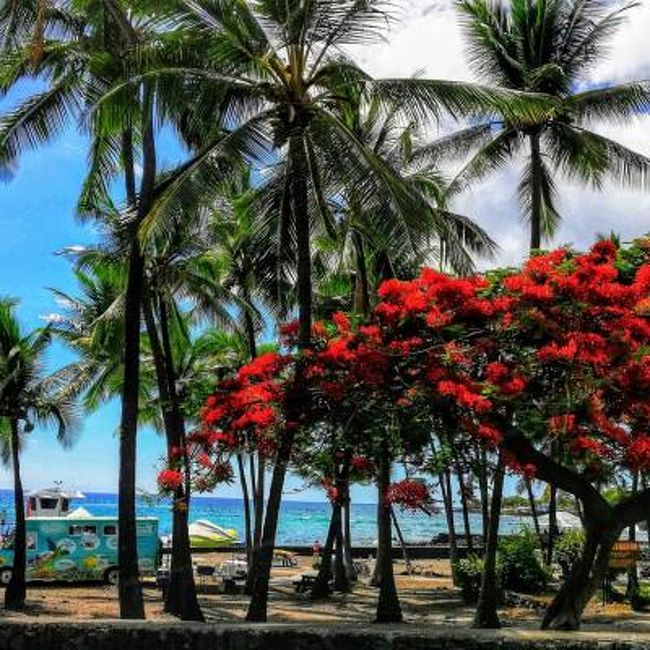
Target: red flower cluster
[408, 494]
[169, 480]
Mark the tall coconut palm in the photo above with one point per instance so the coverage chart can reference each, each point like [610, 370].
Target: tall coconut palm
[550, 47]
[272, 73]
[79, 62]
[28, 398]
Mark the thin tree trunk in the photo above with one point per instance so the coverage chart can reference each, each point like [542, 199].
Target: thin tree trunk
[361, 285]
[181, 599]
[485, 496]
[398, 530]
[632, 572]
[17, 589]
[342, 581]
[536, 192]
[347, 533]
[388, 605]
[258, 511]
[259, 503]
[321, 587]
[533, 512]
[486, 610]
[247, 509]
[552, 525]
[464, 504]
[380, 562]
[445, 487]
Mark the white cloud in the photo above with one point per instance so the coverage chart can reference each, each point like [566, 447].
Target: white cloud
[428, 38]
[629, 58]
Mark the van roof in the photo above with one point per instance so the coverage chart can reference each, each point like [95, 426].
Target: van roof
[75, 520]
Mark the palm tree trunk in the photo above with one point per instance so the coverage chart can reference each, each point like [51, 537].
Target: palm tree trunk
[486, 610]
[129, 587]
[181, 599]
[263, 554]
[300, 212]
[263, 557]
[388, 605]
[17, 589]
[536, 193]
[130, 591]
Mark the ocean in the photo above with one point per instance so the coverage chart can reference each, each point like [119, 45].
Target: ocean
[301, 522]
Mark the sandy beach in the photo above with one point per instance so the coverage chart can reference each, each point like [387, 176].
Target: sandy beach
[426, 600]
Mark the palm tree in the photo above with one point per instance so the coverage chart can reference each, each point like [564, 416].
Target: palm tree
[81, 58]
[272, 73]
[549, 47]
[384, 241]
[28, 397]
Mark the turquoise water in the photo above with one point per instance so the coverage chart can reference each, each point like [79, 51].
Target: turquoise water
[301, 523]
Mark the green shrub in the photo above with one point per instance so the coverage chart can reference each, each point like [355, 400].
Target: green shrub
[521, 567]
[568, 549]
[469, 573]
[640, 599]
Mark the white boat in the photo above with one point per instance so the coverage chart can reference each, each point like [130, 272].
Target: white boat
[205, 534]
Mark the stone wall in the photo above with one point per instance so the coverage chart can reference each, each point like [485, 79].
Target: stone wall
[159, 636]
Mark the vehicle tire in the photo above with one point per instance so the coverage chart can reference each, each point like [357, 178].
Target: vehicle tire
[111, 576]
[5, 576]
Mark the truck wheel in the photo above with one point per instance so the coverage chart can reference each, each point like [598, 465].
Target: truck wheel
[111, 576]
[5, 576]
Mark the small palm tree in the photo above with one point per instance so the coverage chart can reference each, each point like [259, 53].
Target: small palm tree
[380, 239]
[549, 46]
[28, 398]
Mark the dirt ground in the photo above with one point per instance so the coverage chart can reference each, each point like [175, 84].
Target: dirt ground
[428, 598]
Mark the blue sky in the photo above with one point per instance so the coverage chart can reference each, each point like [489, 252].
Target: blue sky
[37, 220]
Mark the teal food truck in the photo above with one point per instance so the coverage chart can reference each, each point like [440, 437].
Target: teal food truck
[75, 546]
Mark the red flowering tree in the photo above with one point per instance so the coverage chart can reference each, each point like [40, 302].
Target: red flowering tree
[555, 356]
[556, 353]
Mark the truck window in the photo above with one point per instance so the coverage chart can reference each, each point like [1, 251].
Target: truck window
[82, 530]
[110, 530]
